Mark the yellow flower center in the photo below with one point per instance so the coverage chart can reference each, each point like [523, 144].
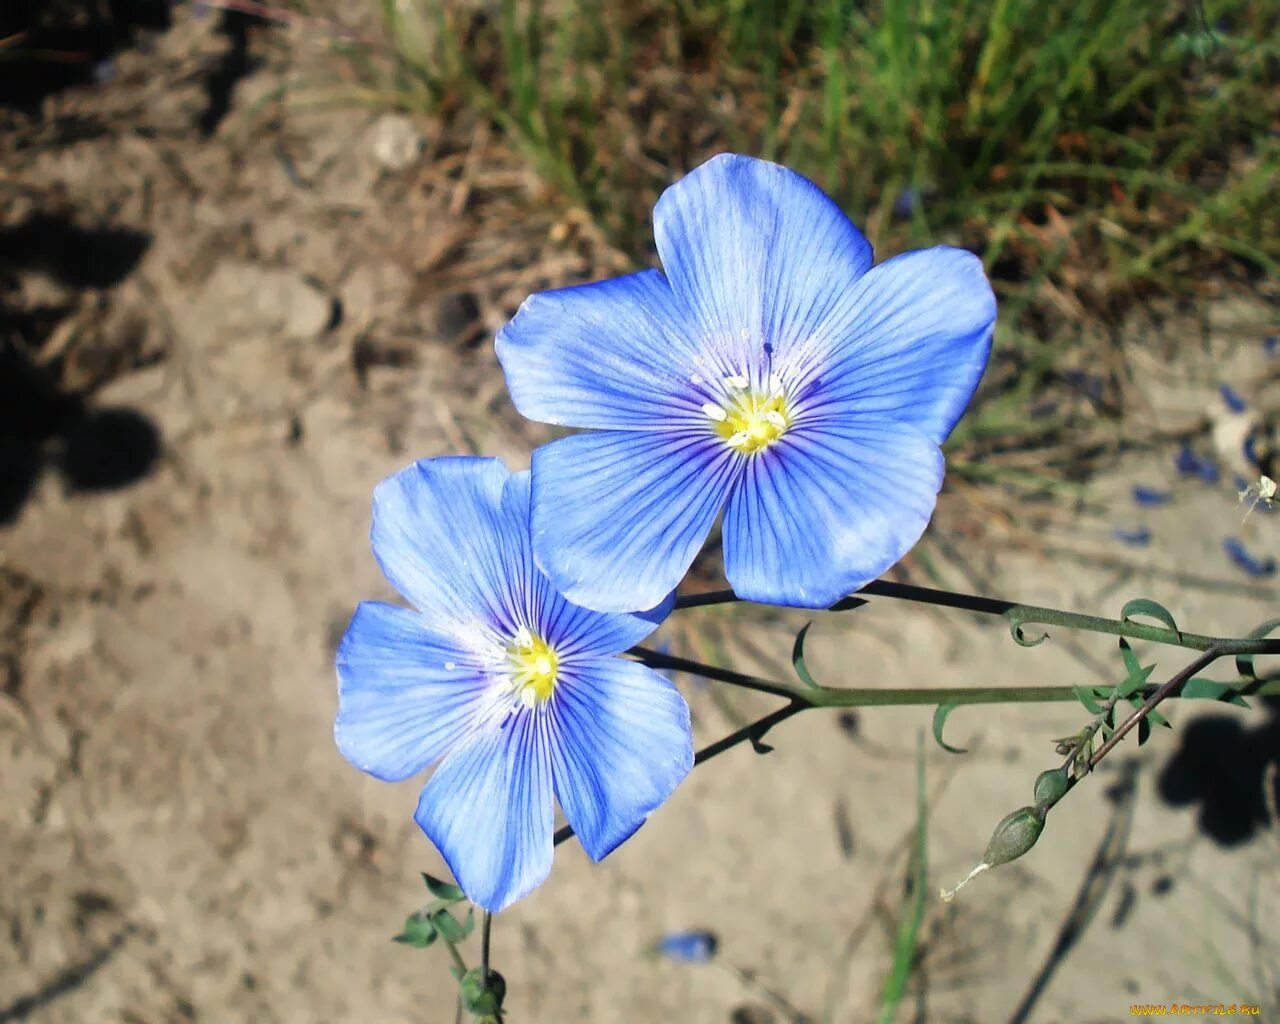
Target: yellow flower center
[750, 420]
[533, 666]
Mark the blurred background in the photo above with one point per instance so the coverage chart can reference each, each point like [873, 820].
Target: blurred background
[252, 259]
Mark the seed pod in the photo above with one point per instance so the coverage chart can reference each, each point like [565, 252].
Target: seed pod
[1050, 787]
[1014, 836]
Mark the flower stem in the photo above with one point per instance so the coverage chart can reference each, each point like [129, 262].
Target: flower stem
[856, 697]
[485, 926]
[1018, 615]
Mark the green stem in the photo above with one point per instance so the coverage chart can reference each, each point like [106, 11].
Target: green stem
[1018, 615]
[854, 697]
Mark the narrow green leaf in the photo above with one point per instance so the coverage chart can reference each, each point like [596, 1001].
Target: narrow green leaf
[1085, 696]
[797, 659]
[1244, 662]
[940, 716]
[1151, 609]
[418, 932]
[469, 923]
[1131, 665]
[1208, 689]
[443, 890]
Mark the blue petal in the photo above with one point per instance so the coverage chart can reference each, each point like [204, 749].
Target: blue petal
[572, 630]
[400, 704]
[441, 537]
[911, 344]
[488, 809]
[618, 517]
[758, 253]
[828, 509]
[622, 744]
[616, 355]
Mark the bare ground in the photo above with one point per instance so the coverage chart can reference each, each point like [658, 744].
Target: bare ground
[239, 328]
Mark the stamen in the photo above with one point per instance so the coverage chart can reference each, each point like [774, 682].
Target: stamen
[736, 381]
[715, 412]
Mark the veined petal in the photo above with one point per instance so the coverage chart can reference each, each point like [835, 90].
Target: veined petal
[828, 509]
[759, 254]
[405, 695]
[616, 355]
[441, 538]
[573, 631]
[618, 517]
[488, 809]
[911, 342]
[622, 744]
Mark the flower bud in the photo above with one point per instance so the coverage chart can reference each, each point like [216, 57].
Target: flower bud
[1014, 836]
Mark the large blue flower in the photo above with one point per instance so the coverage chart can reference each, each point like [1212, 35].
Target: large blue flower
[517, 689]
[771, 372]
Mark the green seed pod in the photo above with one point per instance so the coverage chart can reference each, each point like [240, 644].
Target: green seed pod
[1050, 787]
[1014, 836]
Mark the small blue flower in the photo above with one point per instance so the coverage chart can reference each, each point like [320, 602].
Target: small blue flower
[771, 373]
[514, 687]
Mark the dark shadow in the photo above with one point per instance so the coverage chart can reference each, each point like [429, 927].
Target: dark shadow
[43, 425]
[67, 980]
[57, 44]
[77, 256]
[234, 65]
[1220, 766]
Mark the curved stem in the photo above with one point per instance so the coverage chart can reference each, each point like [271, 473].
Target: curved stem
[1016, 614]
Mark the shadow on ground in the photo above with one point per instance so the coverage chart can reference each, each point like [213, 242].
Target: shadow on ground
[42, 424]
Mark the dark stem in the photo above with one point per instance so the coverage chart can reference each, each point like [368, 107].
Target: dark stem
[487, 922]
[1016, 614]
[1162, 693]
[753, 732]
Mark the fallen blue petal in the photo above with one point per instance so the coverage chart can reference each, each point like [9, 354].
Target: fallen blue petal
[1151, 497]
[1188, 463]
[1139, 537]
[1235, 401]
[1250, 448]
[695, 947]
[1236, 551]
[1271, 345]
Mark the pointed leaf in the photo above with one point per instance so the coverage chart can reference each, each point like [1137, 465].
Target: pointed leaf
[418, 932]
[797, 659]
[1086, 696]
[1208, 689]
[1151, 609]
[1244, 662]
[939, 722]
[448, 926]
[443, 890]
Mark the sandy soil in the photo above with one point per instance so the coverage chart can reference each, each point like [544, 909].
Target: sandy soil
[246, 321]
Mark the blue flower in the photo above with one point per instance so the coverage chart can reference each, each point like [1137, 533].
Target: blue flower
[516, 688]
[771, 373]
